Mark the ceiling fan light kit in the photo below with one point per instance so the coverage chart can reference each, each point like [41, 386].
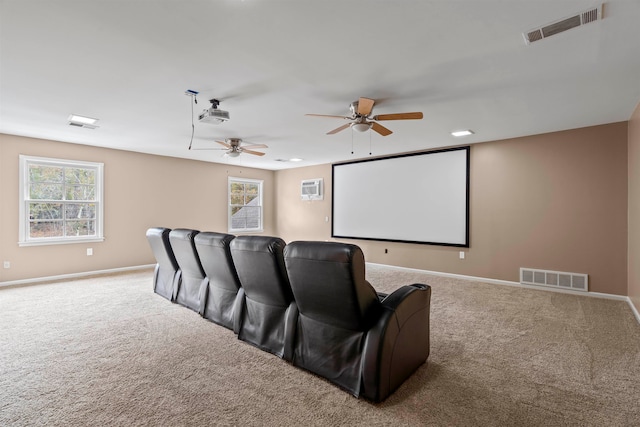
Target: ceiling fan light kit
[361, 127]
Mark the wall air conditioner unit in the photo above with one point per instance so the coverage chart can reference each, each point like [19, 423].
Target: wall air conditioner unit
[311, 189]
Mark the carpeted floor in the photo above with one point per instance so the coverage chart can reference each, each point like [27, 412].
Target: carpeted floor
[108, 351]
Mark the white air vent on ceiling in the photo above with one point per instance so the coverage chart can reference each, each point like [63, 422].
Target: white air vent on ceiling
[82, 121]
[562, 25]
[83, 125]
[556, 279]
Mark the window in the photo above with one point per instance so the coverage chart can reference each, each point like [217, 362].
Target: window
[245, 205]
[60, 201]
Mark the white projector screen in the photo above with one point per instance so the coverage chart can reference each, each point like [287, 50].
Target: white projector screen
[414, 198]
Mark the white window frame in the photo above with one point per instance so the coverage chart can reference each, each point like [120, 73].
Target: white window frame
[24, 239]
[259, 182]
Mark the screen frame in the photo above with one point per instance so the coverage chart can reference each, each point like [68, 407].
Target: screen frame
[466, 242]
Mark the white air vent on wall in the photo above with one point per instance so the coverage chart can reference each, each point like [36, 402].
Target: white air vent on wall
[562, 25]
[556, 279]
[311, 189]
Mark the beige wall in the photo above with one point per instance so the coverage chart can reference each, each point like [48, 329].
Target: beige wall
[555, 201]
[141, 191]
[634, 209]
[299, 219]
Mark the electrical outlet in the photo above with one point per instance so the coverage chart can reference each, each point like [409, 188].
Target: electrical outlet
[7, 264]
[461, 254]
[386, 251]
[89, 251]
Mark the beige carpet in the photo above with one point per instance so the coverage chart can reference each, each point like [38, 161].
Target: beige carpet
[108, 351]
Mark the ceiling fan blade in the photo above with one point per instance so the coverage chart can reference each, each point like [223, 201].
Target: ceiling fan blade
[343, 127]
[365, 105]
[255, 153]
[328, 115]
[380, 129]
[398, 116]
[254, 146]
[224, 143]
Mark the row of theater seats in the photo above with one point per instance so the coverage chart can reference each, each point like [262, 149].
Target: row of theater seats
[306, 302]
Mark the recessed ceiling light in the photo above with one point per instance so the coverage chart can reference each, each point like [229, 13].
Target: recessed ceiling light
[465, 132]
[82, 120]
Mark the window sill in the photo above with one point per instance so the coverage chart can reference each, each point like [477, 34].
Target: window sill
[60, 241]
[257, 230]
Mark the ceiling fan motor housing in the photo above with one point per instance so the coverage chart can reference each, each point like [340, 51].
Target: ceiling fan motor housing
[354, 108]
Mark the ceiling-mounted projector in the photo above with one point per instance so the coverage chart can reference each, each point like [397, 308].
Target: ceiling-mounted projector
[212, 115]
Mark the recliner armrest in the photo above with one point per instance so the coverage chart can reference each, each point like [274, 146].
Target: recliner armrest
[398, 343]
[397, 300]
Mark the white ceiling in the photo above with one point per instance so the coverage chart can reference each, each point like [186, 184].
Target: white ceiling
[464, 64]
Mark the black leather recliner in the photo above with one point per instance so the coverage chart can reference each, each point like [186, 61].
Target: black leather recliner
[166, 271]
[344, 332]
[221, 301]
[269, 313]
[192, 282]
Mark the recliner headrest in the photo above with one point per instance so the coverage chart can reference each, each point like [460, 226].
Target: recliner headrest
[210, 238]
[258, 244]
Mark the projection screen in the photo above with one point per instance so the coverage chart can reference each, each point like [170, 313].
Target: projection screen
[413, 198]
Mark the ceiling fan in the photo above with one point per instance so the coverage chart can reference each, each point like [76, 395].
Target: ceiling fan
[235, 147]
[362, 120]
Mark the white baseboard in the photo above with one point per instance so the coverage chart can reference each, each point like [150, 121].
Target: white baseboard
[634, 309]
[73, 275]
[435, 273]
[521, 285]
